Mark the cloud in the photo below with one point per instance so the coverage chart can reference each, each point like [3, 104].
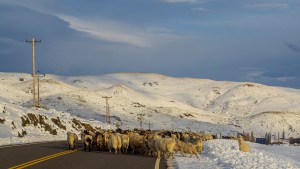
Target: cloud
[109, 31]
[201, 9]
[293, 47]
[253, 75]
[270, 6]
[264, 76]
[285, 79]
[187, 1]
[181, 1]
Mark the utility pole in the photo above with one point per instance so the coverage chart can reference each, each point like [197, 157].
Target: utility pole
[33, 41]
[107, 109]
[39, 76]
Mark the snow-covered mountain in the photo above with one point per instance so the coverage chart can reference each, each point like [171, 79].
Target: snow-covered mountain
[161, 102]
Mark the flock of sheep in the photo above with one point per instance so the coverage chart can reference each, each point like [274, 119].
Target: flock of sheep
[152, 143]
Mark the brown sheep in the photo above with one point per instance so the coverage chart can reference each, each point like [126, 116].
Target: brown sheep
[137, 143]
[99, 141]
[199, 146]
[243, 146]
[188, 148]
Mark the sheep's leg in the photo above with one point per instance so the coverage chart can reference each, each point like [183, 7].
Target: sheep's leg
[182, 153]
[158, 154]
[69, 146]
[165, 155]
[89, 147]
[84, 146]
[196, 153]
[150, 152]
[191, 152]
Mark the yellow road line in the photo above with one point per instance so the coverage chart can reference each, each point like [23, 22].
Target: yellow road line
[39, 159]
[30, 163]
[157, 161]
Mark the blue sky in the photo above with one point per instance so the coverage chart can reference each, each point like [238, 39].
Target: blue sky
[233, 40]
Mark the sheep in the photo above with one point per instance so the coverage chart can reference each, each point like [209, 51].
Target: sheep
[114, 142]
[165, 145]
[99, 141]
[106, 136]
[199, 146]
[137, 143]
[151, 143]
[87, 141]
[71, 139]
[177, 146]
[207, 137]
[243, 146]
[188, 148]
[186, 137]
[173, 136]
[125, 142]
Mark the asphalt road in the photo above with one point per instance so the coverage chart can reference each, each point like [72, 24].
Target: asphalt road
[56, 155]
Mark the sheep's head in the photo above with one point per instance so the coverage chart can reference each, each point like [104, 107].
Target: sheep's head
[240, 140]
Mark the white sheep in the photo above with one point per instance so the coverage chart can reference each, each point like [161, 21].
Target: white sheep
[71, 139]
[165, 146]
[114, 142]
[125, 142]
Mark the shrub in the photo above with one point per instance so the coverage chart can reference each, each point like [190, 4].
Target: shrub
[25, 121]
[58, 123]
[13, 124]
[22, 134]
[4, 109]
[79, 124]
[33, 119]
[2, 121]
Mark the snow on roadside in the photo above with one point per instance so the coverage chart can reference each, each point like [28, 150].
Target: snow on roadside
[30, 139]
[225, 154]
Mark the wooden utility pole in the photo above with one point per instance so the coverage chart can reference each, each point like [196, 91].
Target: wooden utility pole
[33, 41]
[39, 76]
[107, 109]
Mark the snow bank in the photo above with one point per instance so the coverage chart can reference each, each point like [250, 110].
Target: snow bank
[225, 154]
[30, 139]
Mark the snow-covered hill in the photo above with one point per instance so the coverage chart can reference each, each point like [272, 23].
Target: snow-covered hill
[162, 102]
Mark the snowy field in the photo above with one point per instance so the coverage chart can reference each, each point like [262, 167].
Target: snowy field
[224, 154]
[161, 102]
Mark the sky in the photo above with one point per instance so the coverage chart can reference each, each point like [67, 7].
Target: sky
[231, 40]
